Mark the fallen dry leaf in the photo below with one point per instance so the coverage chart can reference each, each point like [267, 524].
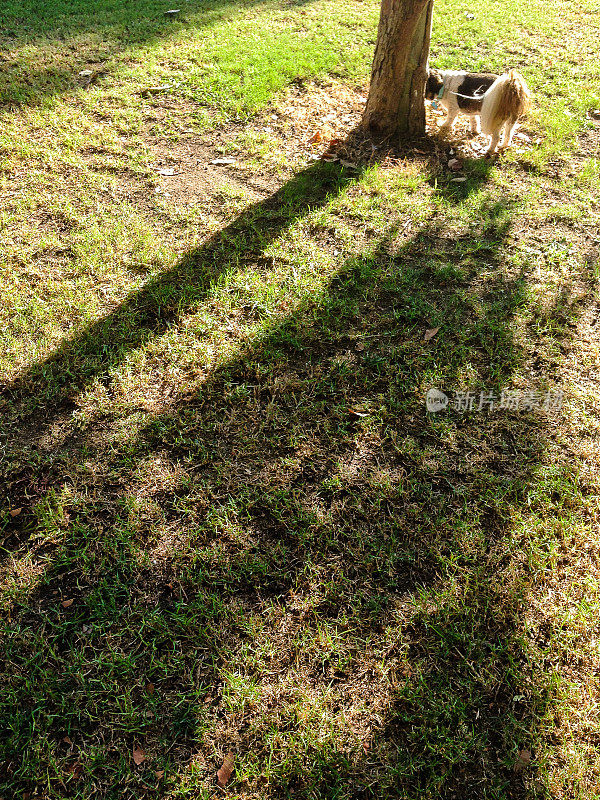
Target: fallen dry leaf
[316, 137]
[67, 603]
[226, 770]
[159, 773]
[75, 769]
[67, 740]
[332, 148]
[430, 334]
[15, 512]
[138, 755]
[150, 688]
[523, 760]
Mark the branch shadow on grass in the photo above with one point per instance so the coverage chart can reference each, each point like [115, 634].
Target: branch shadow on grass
[296, 562]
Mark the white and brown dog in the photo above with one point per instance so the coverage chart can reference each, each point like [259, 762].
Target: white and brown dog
[496, 100]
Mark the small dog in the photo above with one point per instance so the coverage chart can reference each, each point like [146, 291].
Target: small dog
[496, 100]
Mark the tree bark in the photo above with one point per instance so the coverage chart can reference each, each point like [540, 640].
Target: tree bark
[396, 104]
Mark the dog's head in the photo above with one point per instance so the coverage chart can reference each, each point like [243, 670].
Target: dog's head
[434, 84]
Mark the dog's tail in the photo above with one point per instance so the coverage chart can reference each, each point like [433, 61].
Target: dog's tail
[507, 98]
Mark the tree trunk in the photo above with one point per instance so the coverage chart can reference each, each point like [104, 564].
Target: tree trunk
[396, 104]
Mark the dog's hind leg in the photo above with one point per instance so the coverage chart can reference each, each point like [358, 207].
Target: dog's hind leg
[509, 131]
[475, 125]
[494, 143]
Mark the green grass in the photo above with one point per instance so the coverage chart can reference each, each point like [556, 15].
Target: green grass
[228, 522]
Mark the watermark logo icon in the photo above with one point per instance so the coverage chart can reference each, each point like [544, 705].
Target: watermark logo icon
[436, 401]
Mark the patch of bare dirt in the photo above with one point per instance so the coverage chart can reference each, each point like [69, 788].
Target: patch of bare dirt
[192, 172]
[311, 121]
[589, 143]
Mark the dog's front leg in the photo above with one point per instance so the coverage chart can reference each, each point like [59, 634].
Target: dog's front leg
[475, 126]
[449, 121]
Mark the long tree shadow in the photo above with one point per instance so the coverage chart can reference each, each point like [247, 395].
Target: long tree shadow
[295, 561]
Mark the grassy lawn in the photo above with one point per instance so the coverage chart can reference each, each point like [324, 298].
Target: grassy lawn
[228, 523]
